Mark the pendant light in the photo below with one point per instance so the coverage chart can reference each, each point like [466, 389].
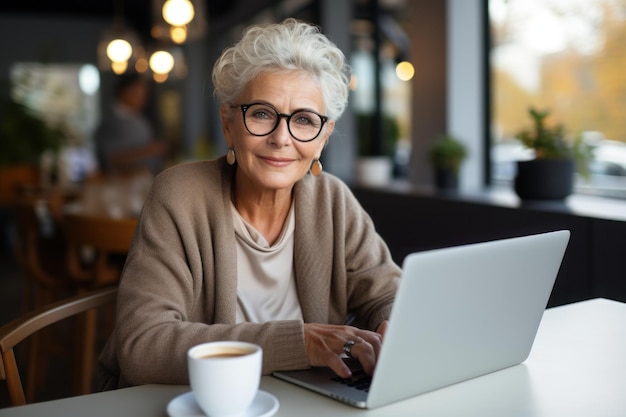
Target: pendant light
[119, 46]
[178, 21]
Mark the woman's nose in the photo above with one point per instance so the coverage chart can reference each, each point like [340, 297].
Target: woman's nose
[281, 135]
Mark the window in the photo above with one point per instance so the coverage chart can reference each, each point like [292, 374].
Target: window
[65, 96]
[567, 57]
[381, 80]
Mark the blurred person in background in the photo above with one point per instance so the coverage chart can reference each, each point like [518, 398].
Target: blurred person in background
[125, 140]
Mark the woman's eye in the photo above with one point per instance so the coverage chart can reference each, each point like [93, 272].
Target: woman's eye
[303, 119]
[260, 114]
[263, 113]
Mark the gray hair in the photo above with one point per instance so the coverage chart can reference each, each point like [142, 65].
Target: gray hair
[292, 46]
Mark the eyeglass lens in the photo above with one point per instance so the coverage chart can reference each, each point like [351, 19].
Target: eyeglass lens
[262, 119]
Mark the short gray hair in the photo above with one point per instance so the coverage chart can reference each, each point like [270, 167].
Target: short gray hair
[292, 46]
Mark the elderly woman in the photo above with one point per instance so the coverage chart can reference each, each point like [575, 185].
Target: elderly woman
[259, 246]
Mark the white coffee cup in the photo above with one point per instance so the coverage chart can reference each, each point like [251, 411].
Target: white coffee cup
[225, 376]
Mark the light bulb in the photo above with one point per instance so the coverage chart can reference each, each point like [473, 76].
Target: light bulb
[119, 50]
[405, 71]
[159, 78]
[178, 34]
[119, 67]
[141, 65]
[178, 12]
[161, 62]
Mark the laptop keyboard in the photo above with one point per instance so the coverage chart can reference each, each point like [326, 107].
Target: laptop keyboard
[359, 380]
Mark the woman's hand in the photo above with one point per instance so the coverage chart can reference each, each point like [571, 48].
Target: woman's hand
[325, 342]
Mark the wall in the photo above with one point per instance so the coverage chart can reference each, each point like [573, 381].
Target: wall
[338, 157]
[428, 47]
[467, 92]
[65, 40]
[413, 221]
[44, 39]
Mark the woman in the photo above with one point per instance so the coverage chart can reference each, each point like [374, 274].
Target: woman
[253, 247]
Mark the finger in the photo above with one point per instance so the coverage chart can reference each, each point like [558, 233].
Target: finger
[339, 366]
[377, 343]
[382, 329]
[324, 344]
[364, 352]
[375, 340]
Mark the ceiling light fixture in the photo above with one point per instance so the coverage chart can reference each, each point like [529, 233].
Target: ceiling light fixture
[178, 21]
[161, 63]
[119, 50]
[118, 46]
[178, 12]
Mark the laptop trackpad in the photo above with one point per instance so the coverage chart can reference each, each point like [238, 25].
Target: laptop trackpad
[323, 380]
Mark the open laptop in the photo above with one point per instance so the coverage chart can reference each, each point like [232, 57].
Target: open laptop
[459, 313]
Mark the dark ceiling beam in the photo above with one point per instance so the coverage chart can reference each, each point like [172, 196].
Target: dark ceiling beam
[244, 10]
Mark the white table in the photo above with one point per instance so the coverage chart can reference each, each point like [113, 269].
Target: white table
[577, 368]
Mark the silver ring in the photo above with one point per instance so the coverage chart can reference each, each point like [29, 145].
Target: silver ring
[347, 348]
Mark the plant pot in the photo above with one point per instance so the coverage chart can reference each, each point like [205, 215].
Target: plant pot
[374, 170]
[544, 179]
[446, 179]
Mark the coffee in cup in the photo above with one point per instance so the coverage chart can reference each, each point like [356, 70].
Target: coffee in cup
[225, 376]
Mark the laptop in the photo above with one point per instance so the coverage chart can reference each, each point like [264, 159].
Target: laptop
[460, 312]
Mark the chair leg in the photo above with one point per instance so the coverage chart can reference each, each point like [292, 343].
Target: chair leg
[39, 348]
[16, 391]
[84, 346]
[34, 371]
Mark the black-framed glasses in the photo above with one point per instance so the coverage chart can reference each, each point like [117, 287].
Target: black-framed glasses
[261, 119]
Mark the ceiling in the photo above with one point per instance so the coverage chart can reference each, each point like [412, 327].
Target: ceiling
[137, 13]
[222, 14]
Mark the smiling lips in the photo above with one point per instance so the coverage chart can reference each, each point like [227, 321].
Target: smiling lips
[277, 162]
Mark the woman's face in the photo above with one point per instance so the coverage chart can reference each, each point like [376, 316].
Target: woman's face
[136, 95]
[275, 161]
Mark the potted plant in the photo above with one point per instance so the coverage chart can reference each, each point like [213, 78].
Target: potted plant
[24, 137]
[550, 175]
[446, 155]
[375, 160]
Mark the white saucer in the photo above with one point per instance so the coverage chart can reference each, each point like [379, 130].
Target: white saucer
[185, 405]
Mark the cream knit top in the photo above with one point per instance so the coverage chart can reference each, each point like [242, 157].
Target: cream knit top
[266, 283]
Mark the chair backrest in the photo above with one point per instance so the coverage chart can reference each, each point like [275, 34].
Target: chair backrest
[103, 236]
[14, 177]
[14, 332]
[40, 249]
[39, 245]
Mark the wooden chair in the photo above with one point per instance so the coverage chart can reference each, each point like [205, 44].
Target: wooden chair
[97, 247]
[16, 331]
[40, 251]
[13, 177]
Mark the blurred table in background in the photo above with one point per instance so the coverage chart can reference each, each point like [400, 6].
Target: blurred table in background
[68, 239]
[114, 197]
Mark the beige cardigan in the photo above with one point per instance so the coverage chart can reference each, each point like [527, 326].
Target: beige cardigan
[178, 287]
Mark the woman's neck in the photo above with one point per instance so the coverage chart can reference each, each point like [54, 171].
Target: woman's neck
[265, 211]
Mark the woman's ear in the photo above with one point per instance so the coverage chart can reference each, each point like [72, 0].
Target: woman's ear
[226, 118]
[328, 130]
